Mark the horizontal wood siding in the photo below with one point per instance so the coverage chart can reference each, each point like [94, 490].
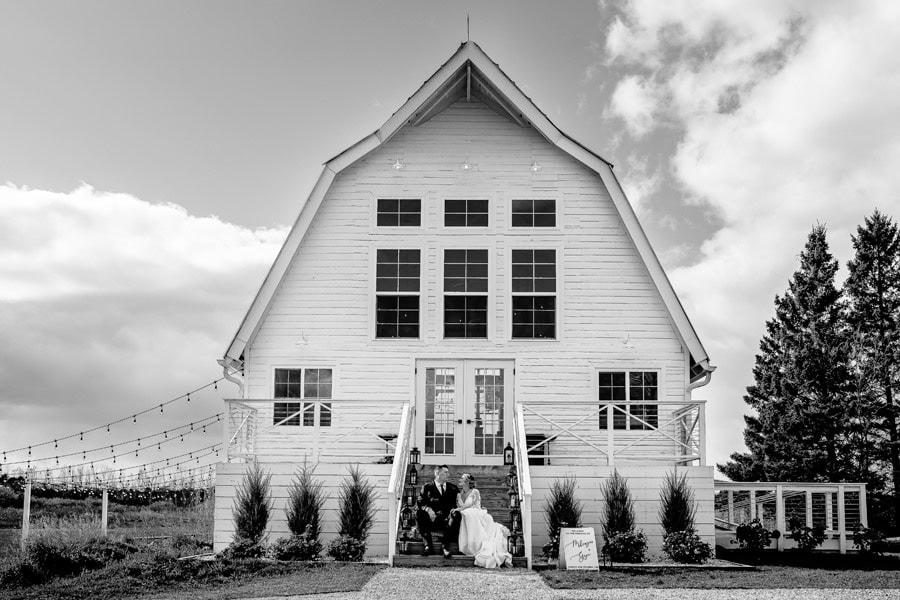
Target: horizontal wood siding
[228, 480]
[611, 315]
[644, 484]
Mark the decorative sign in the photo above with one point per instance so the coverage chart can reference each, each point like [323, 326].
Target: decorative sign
[578, 549]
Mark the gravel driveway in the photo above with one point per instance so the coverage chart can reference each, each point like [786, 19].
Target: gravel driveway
[520, 584]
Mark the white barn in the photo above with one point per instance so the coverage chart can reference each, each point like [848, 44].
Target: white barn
[467, 277]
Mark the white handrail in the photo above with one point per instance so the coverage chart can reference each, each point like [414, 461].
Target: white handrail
[524, 478]
[398, 478]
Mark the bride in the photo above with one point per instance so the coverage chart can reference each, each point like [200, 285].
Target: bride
[479, 535]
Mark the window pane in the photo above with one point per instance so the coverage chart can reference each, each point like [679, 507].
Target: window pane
[396, 213]
[283, 410]
[465, 316]
[466, 213]
[397, 316]
[534, 213]
[288, 383]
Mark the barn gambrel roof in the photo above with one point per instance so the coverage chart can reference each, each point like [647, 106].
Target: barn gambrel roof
[468, 72]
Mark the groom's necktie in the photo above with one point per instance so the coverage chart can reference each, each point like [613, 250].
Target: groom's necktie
[441, 487]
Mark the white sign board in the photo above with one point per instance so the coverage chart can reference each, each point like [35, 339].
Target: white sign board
[578, 549]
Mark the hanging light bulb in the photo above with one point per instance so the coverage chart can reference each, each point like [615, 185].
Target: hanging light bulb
[139, 441]
[160, 408]
[215, 385]
[81, 436]
[188, 396]
[55, 445]
[107, 428]
[135, 418]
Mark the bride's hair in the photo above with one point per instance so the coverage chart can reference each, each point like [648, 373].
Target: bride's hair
[469, 479]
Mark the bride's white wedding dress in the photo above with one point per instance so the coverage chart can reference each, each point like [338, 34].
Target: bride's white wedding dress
[479, 535]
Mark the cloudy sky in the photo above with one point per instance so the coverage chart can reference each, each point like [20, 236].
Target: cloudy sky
[153, 155]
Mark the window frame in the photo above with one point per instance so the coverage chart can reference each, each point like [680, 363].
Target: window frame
[628, 370]
[532, 230]
[374, 247]
[490, 294]
[376, 228]
[319, 405]
[491, 203]
[558, 294]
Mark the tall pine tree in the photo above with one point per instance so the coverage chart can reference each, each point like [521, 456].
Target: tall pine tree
[873, 291]
[801, 428]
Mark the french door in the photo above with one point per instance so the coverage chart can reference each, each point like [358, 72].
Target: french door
[463, 410]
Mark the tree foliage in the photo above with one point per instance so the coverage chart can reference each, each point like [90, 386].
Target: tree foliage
[677, 507]
[618, 506]
[305, 500]
[252, 505]
[356, 500]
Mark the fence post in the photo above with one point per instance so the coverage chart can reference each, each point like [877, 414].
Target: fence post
[779, 517]
[842, 520]
[752, 499]
[863, 509]
[104, 518]
[26, 513]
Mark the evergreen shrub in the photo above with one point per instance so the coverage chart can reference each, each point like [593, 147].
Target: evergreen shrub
[618, 507]
[252, 508]
[305, 501]
[356, 517]
[806, 538]
[562, 509]
[753, 537]
[677, 507]
[686, 547]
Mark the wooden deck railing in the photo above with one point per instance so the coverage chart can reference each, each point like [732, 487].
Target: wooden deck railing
[397, 483]
[524, 478]
[838, 507]
[352, 430]
[576, 432]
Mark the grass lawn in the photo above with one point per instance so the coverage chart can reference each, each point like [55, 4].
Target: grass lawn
[229, 581]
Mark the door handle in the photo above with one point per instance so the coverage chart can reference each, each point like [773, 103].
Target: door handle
[468, 421]
[459, 421]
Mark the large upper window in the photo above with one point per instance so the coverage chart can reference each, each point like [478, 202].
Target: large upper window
[465, 293]
[633, 386]
[399, 212]
[306, 388]
[466, 213]
[534, 213]
[397, 282]
[534, 294]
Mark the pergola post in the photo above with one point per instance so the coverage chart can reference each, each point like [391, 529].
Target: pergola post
[842, 520]
[779, 517]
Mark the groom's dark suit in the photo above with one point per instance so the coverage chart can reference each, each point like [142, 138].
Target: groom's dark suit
[441, 504]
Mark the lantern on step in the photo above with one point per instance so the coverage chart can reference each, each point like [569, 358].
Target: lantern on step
[519, 548]
[410, 496]
[406, 518]
[515, 520]
[413, 475]
[511, 544]
[513, 498]
[414, 456]
[512, 479]
[508, 455]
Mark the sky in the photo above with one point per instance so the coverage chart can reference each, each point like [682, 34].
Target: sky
[153, 156]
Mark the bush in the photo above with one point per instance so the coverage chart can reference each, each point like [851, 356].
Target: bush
[562, 509]
[186, 545]
[253, 505]
[676, 504]
[241, 548]
[686, 547]
[347, 548]
[297, 547]
[627, 546]
[9, 498]
[305, 500]
[618, 513]
[868, 541]
[753, 536]
[807, 538]
[357, 506]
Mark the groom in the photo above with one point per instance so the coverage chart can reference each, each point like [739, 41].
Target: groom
[437, 500]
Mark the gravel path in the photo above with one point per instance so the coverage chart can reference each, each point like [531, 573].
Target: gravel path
[520, 584]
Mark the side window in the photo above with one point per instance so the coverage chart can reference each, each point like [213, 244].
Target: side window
[397, 283]
[533, 213]
[309, 387]
[633, 386]
[394, 212]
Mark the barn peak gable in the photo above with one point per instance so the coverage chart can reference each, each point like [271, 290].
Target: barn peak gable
[469, 73]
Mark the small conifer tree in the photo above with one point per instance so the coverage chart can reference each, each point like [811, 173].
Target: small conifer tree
[562, 509]
[252, 505]
[677, 507]
[305, 500]
[618, 514]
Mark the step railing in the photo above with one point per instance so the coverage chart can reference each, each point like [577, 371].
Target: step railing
[524, 477]
[397, 482]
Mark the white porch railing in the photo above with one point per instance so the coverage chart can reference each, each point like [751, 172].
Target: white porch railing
[572, 432]
[524, 478]
[838, 507]
[397, 483]
[335, 430]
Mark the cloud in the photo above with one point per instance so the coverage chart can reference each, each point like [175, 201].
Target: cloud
[788, 113]
[109, 305]
[635, 100]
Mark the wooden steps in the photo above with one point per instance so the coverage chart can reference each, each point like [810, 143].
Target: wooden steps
[491, 481]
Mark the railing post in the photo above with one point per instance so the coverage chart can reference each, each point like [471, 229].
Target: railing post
[752, 499]
[779, 516]
[809, 515]
[702, 424]
[730, 506]
[842, 520]
[26, 513]
[829, 511]
[610, 437]
[104, 513]
[863, 510]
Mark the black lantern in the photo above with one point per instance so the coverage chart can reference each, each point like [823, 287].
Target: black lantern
[406, 518]
[413, 475]
[414, 456]
[410, 496]
[515, 520]
[511, 544]
[512, 479]
[513, 498]
[508, 455]
[519, 548]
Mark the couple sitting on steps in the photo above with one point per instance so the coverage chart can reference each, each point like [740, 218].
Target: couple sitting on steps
[457, 511]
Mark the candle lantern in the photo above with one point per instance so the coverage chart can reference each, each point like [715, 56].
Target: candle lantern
[511, 544]
[414, 456]
[513, 498]
[508, 455]
[410, 496]
[413, 475]
[406, 518]
[519, 549]
[515, 520]
[512, 479]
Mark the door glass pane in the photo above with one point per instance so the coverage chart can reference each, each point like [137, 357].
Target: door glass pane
[440, 410]
[488, 412]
